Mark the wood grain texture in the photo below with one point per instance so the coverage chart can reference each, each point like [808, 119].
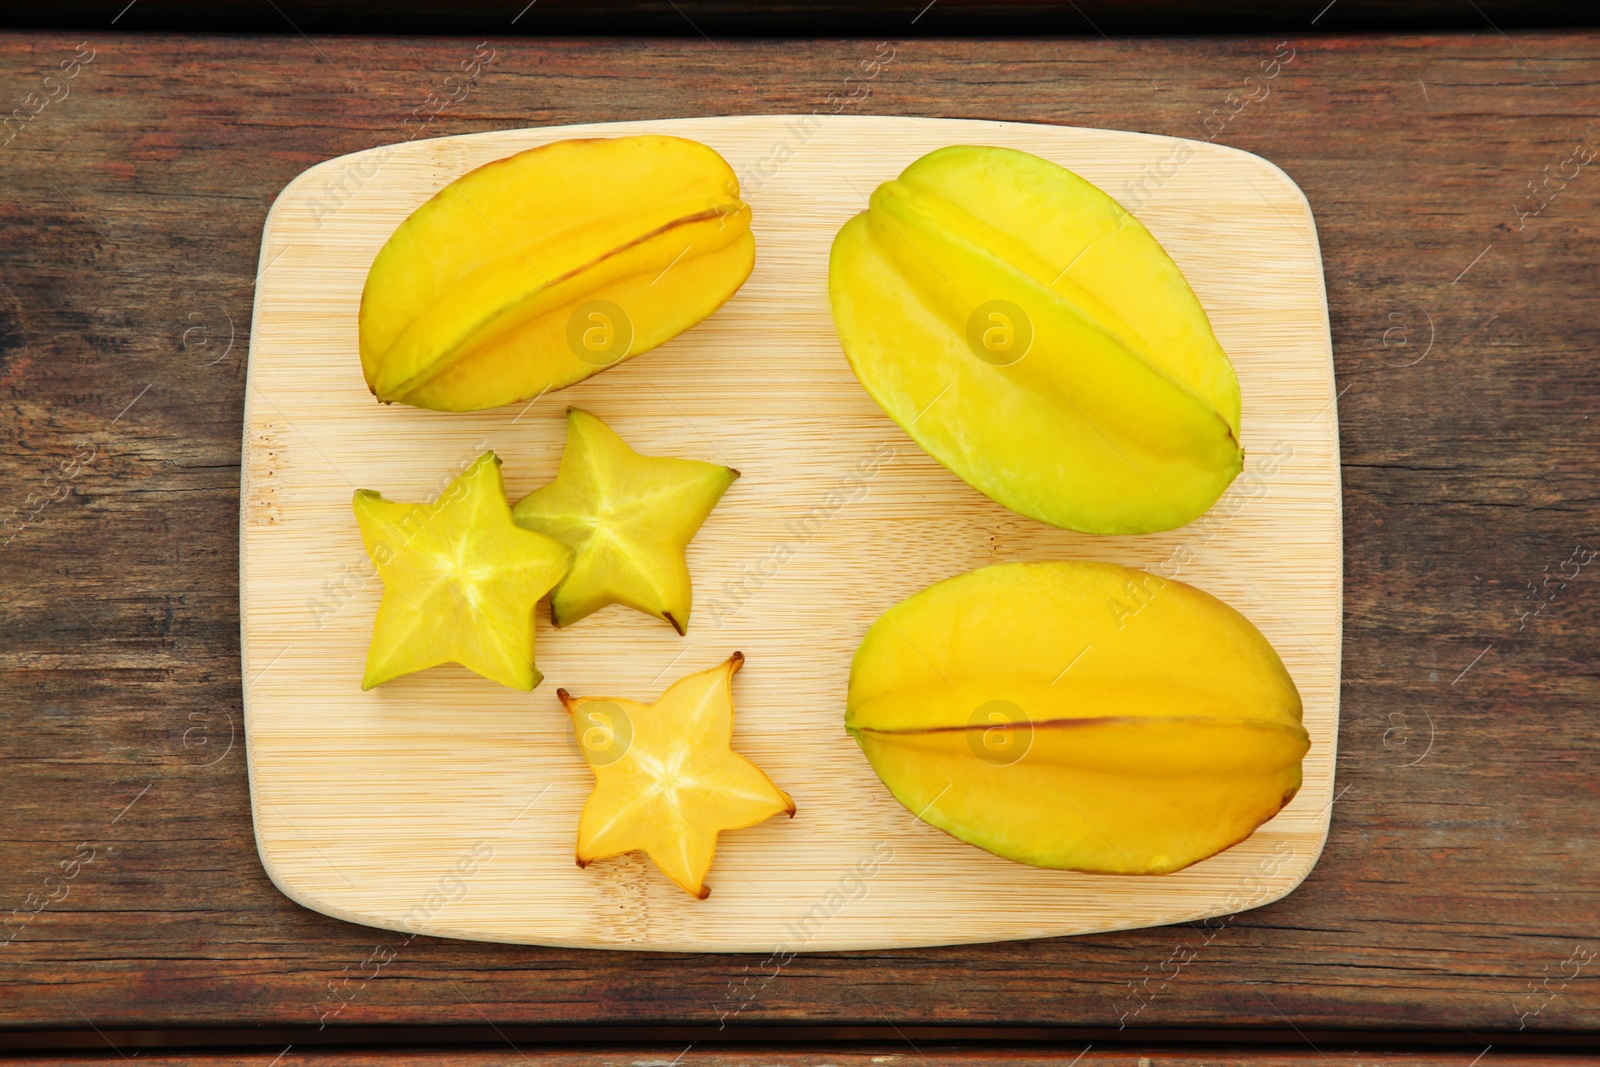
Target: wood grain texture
[1459, 879]
[445, 804]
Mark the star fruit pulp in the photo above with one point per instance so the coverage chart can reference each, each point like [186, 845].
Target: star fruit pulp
[538, 270]
[460, 580]
[667, 781]
[1034, 337]
[1078, 715]
[628, 519]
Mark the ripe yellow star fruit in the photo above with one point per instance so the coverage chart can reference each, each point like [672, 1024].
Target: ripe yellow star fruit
[667, 782]
[540, 269]
[460, 580]
[1078, 715]
[1032, 336]
[628, 519]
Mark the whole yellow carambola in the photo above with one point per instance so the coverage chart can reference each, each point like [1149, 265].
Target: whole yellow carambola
[1033, 337]
[540, 269]
[1077, 715]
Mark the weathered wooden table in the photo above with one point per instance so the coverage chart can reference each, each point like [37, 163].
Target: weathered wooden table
[1457, 899]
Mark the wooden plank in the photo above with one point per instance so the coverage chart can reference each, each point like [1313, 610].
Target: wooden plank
[1460, 880]
[368, 807]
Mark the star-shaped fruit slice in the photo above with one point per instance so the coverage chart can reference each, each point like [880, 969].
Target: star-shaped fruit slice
[627, 518]
[460, 580]
[666, 780]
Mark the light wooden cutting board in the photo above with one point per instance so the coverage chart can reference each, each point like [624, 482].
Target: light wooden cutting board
[445, 804]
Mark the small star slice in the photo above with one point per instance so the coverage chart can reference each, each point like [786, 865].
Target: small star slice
[460, 580]
[667, 781]
[628, 518]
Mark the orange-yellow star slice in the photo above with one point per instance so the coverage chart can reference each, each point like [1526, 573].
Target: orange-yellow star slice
[667, 780]
[460, 580]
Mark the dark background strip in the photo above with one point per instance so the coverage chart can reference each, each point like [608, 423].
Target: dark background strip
[802, 17]
[503, 1050]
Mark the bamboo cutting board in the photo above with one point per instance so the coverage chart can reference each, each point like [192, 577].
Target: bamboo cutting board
[444, 804]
